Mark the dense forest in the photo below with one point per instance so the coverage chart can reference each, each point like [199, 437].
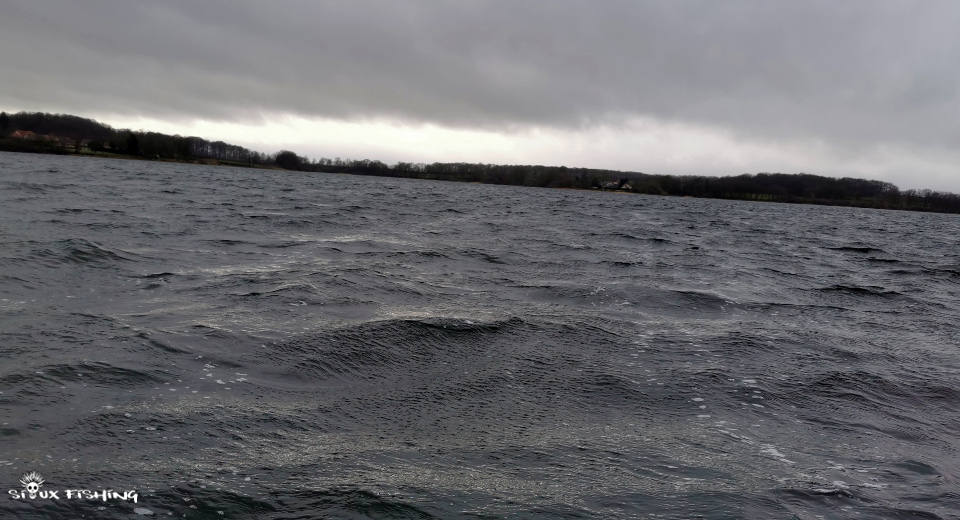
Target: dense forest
[89, 137]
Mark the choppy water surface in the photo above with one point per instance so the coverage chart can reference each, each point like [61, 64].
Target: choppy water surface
[257, 344]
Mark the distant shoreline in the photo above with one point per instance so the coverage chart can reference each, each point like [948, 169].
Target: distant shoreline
[216, 162]
[79, 137]
[197, 161]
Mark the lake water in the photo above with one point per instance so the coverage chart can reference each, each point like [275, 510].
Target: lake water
[236, 343]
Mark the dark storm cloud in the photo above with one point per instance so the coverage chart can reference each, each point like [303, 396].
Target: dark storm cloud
[856, 72]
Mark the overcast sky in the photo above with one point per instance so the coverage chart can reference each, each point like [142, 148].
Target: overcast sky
[862, 88]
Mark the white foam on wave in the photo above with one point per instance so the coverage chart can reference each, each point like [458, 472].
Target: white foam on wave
[771, 450]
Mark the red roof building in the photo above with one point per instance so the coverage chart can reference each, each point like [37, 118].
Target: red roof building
[23, 134]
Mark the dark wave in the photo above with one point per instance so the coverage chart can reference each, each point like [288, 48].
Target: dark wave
[860, 291]
[81, 252]
[857, 249]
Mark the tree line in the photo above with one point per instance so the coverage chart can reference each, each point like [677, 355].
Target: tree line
[802, 188]
[101, 138]
[772, 187]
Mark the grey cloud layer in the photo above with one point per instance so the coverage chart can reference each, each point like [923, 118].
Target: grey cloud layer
[858, 72]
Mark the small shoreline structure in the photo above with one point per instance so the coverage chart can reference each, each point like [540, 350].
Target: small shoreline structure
[71, 135]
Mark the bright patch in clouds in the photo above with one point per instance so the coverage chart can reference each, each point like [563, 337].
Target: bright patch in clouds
[645, 145]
